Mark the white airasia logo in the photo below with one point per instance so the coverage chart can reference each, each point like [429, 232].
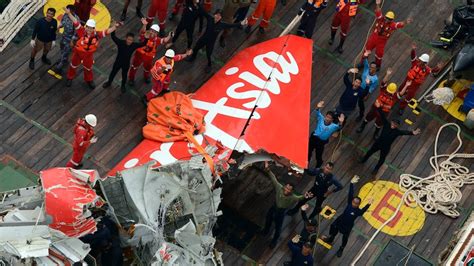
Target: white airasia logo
[259, 89]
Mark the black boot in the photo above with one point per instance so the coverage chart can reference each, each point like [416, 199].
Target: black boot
[376, 133]
[32, 64]
[68, 83]
[139, 13]
[362, 126]
[147, 80]
[339, 47]
[123, 17]
[171, 17]
[339, 252]
[261, 30]
[123, 89]
[333, 35]
[106, 84]
[91, 84]
[45, 60]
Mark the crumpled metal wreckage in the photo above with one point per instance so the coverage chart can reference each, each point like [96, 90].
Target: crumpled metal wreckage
[173, 210]
[42, 224]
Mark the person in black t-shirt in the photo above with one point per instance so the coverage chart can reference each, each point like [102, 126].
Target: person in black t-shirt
[44, 37]
[324, 179]
[390, 133]
[214, 26]
[125, 49]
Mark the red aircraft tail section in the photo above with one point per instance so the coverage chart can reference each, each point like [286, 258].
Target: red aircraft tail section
[263, 93]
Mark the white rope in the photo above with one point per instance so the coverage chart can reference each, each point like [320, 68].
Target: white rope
[440, 96]
[437, 192]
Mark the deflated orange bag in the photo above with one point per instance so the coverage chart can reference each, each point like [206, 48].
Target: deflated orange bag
[172, 117]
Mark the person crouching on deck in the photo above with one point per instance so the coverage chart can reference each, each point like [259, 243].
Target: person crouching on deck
[86, 45]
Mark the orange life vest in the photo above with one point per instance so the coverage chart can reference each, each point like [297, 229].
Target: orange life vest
[353, 5]
[418, 74]
[149, 49]
[384, 28]
[386, 101]
[83, 133]
[88, 43]
[163, 75]
[315, 3]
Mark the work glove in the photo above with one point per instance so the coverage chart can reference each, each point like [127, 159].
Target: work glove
[94, 139]
[53, 44]
[33, 43]
[296, 239]
[300, 12]
[168, 67]
[355, 179]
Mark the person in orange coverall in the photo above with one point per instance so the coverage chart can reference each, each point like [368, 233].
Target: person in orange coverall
[345, 10]
[265, 10]
[86, 45]
[161, 73]
[83, 137]
[416, 75]
[384, 27]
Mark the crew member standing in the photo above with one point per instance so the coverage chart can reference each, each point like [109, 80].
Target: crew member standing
[145, 54]
[214, 26]
[161, 73]
[324, 179]
[66, 43]
[311, 9]
[417, 74]
[284, 199]
[383, 29]
[351, 95]
[83, 9]
[158, 8]
[86, 45]
[83, 137]
[386, 99]
[345, 222]
[390, 133]
[125, 49]
[187, 22]
[265, 10]
[345, 10]
[44, 37]
[370, 81]
[323, 131]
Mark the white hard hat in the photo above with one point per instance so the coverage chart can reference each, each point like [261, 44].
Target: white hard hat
[424, 58]
[90, 23]
[91, 120]
[155, 27]
[169, 53]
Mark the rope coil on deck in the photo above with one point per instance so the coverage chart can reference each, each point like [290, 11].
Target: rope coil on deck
[437, 192]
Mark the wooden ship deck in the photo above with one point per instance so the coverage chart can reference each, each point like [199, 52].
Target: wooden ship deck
[37, 113]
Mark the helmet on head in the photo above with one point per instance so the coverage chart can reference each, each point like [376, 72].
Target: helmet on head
[90, 23]
[392, 88]
[390, 15]
[424, 58]
[169, 53]
[155, 27]
[91, 120]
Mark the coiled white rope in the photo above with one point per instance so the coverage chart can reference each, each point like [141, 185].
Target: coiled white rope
[437, 192]
[440, 96]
